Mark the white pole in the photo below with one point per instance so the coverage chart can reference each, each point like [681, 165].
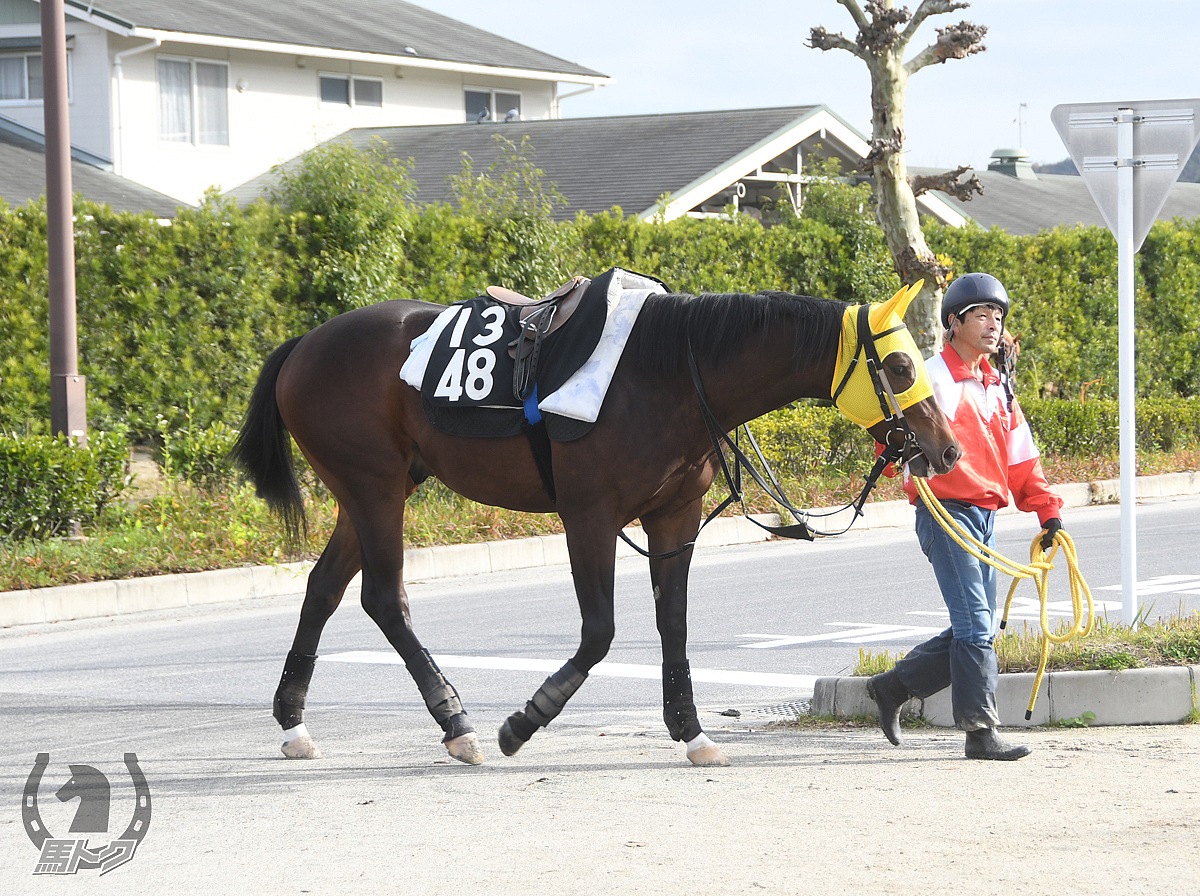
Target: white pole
[1125, 365]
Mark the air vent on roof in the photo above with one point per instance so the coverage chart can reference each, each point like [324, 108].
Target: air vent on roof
[1013, 162]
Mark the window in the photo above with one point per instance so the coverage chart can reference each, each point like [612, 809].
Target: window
[193, 102]
[344, 90]
[491, 105]
[21, 78]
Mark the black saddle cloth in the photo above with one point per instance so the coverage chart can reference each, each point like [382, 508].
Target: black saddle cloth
[468, 385]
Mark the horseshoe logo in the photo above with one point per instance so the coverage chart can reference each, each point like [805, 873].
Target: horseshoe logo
[88, 859]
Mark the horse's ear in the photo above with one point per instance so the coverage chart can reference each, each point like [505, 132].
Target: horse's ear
[897, 304]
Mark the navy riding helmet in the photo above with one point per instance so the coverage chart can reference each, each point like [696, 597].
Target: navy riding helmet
[970, 290]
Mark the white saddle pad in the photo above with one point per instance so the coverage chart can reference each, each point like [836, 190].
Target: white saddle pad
[580, 397]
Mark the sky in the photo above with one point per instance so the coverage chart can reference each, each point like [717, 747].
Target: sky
[700, 55]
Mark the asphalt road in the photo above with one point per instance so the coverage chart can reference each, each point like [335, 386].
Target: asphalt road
[603, 801]
[765, 620]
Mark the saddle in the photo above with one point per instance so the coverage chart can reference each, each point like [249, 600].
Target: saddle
[548, 314]
[537, 318]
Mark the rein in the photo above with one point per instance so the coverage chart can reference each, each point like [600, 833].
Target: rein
[1038, 569]
[733, 479]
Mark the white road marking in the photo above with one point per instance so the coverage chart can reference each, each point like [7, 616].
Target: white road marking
[1182, 584]
[1031, 608]
[612, 670]
[852, 633]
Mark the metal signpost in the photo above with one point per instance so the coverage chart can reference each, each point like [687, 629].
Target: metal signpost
[1130, 155]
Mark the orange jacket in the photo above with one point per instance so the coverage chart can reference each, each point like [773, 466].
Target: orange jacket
[999, 454]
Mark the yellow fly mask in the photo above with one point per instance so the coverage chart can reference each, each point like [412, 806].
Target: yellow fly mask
[869, 334]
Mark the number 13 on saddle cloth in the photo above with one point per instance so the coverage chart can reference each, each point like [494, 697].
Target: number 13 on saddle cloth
[465, 372]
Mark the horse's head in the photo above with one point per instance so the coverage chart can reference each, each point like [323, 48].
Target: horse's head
[881, 384]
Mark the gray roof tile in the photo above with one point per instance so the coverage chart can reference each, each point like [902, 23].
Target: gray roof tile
[1026, 206]
[630, 161]
[596, 163]
[368, 26]
[23, 177]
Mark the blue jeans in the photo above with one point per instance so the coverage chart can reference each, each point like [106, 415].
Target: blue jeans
[962, 657]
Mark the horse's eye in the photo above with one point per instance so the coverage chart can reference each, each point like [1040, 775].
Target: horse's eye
[900, 369]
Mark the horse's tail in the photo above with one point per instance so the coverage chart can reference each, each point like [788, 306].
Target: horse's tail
[264, 448]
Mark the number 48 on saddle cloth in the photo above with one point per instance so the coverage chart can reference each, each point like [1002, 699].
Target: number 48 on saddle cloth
[465, 371]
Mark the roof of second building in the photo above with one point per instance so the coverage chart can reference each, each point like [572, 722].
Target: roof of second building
[596, 163]
[388, 27]
[1028, 205]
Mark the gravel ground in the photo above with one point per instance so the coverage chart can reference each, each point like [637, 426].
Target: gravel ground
[591, 807]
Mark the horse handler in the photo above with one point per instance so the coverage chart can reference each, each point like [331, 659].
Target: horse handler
[999, 456]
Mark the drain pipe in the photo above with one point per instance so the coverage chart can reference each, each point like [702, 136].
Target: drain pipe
[118, 59]
[558, 98]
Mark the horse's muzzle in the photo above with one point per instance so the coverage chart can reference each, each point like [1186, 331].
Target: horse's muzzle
[920, 465]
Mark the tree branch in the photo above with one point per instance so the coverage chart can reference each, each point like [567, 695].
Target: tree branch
[930, 8]
[912, 266]
[880, 34]
[820, 39]
[856, 12]
[947, 182]
[956, 42]
[880, 149]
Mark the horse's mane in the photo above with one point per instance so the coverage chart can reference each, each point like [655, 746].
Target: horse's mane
[719, 325]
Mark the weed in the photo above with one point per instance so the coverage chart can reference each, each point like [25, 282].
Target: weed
[1082, 721]
[871, 663]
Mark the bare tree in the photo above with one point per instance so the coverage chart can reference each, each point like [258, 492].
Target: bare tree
[884, 33]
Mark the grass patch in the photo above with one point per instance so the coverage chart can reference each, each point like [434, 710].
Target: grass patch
[1113, 646]
[175, 527]
[810, 722]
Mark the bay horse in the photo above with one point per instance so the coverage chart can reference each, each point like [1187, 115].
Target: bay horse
[649, 457]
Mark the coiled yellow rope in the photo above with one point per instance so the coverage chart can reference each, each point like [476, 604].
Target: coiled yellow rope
[1038, 569]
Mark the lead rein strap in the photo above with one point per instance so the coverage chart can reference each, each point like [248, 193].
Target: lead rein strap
[800, 529]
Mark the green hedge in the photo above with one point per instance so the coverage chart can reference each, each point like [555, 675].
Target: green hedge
[201, 456]
[46, 482]
[175, 320]
[1079, 429]
[1063, 284]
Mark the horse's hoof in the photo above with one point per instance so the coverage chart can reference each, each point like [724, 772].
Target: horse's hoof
[301, 747]
[509, 742]
[707, 756]
[465, 748]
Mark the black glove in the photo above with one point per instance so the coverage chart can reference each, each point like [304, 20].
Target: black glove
[1049, 530]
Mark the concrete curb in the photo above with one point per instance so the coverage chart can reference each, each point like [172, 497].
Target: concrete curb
[118, 597]
[114, 598]
[1161, 695]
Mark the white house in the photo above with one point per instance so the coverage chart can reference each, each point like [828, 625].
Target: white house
[183, 95]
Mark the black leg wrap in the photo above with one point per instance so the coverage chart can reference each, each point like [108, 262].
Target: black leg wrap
[679, 707]
[541, 710]
[440, 697]
[293, 689]
[456, 726]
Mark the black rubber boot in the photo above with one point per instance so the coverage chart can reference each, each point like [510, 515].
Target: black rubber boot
[890, 695]
[985, 743]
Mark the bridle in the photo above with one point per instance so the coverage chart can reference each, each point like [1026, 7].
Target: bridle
[901, 441]
[901, 445]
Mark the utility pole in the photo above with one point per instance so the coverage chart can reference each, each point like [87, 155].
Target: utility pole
[68, 390]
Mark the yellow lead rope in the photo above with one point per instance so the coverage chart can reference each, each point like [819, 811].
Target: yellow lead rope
[1038, 569]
